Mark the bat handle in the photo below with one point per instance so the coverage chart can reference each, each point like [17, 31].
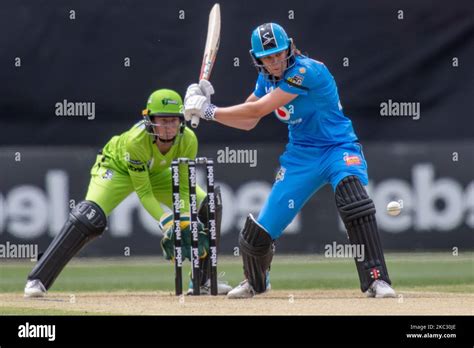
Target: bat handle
[195, 121]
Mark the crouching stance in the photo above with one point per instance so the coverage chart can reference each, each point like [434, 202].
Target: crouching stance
[137, 160]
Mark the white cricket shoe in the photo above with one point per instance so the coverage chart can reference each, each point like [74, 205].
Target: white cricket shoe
[34, 288]
[380, 289]
[222, 288]
[245, 290]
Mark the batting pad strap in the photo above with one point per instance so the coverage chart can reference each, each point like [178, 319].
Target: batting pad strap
[353, 211]
[252, 250]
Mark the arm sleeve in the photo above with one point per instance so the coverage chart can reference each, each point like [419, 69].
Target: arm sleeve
[138, 171]
[299, 80]
[260, 86]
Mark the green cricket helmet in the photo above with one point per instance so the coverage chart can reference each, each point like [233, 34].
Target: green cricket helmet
[163, 103]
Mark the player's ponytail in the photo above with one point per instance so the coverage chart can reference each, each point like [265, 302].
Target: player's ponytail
[295, 50]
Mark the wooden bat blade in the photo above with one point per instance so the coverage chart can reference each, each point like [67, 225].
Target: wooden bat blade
[210, 50]
[212, 42]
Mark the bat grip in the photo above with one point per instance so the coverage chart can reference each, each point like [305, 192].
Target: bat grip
[195, 121]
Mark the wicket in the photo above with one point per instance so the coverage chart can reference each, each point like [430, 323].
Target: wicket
[193, 223]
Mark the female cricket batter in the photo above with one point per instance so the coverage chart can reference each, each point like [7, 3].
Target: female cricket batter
[322, 148]
[137, 160]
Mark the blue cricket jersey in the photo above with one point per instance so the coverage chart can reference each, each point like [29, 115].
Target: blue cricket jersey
[315, 117]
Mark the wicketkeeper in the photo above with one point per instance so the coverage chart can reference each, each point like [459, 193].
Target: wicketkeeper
[137, 160]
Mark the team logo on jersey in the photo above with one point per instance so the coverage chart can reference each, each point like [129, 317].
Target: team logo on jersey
[280, 175]
[108, 174]
[302, 70]
[296, 80]
[351, 160]
[282, 113]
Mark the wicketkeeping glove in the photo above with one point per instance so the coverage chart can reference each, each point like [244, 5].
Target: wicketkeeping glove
[167, 242]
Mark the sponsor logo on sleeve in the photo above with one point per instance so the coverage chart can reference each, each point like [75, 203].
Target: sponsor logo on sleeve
[136, 169]
[297, 80]
[135, 162]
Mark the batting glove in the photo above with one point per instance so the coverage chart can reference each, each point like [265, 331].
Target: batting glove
[198, 105]
[207, 89]
[192, 90]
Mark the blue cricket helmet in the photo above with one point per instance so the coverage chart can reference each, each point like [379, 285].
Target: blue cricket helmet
[267, 39]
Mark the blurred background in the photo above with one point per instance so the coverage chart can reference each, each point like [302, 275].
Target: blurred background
[115, 53]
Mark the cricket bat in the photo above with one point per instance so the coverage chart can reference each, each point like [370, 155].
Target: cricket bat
[210, 51]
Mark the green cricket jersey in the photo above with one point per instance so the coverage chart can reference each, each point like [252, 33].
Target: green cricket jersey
[135, 153]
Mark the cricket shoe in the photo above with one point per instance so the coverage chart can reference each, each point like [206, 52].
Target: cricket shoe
[245, 290]
[380, 289]
[222, 288]
[34, 288]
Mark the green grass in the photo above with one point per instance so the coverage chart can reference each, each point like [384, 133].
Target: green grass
[421, 271]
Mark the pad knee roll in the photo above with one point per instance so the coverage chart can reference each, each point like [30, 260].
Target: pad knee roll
[256, 247]
[357, 211]
[90, 218]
